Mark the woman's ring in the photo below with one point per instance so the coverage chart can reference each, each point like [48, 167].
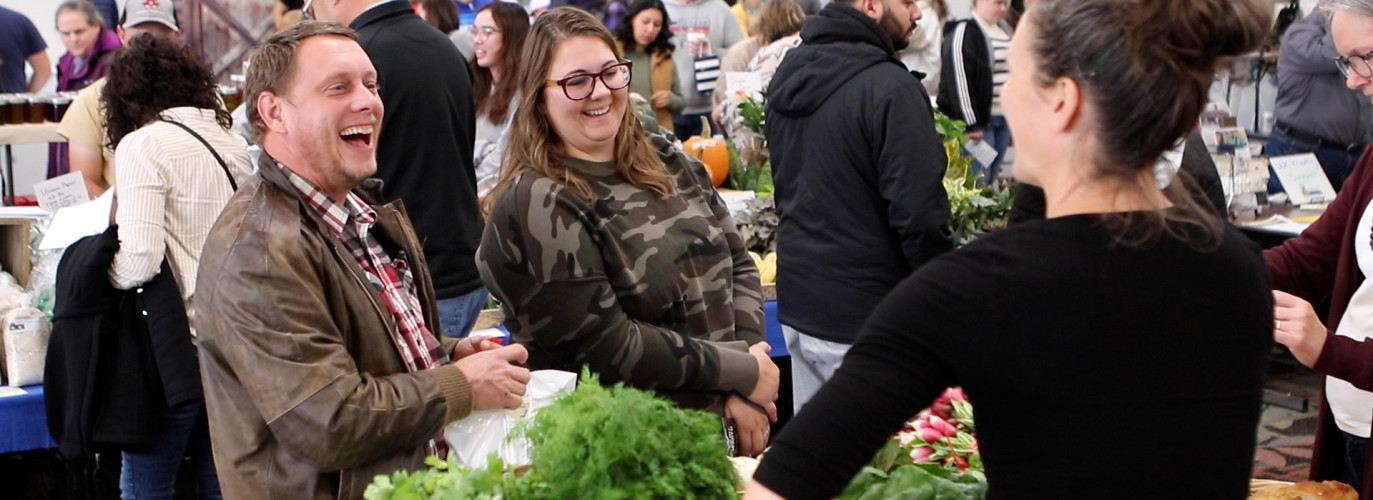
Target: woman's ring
[1277, 324]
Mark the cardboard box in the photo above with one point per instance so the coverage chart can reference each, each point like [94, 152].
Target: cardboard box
[16, 257]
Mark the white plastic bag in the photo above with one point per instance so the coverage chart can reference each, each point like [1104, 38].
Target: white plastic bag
[26, 345]
[487, 431]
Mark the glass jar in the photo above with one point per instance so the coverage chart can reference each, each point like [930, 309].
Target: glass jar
[58, 109]
[231, 96]
[38, 108]
[19, 109]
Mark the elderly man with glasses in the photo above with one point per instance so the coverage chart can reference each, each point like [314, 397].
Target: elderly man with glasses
[1315, 113]
[1330, 262]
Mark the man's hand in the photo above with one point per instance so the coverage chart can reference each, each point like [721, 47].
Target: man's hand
[750, 422]
[769, 380]
[495, 377]
[660, 99]
[1296, 326]
[469, 345]
[975, 136]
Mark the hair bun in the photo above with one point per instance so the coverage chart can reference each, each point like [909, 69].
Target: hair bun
[1196, 33]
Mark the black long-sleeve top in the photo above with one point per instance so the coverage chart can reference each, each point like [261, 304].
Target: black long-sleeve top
[1095, 370]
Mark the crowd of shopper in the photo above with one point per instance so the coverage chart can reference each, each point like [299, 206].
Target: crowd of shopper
[418, 158]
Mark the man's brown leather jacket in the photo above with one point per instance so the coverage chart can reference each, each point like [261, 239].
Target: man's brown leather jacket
[306, 392]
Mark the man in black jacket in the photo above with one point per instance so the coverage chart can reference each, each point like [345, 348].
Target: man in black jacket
[424, 155]
[858, 170]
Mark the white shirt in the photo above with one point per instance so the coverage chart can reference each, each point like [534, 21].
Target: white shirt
[170, 191]
[1351, 406]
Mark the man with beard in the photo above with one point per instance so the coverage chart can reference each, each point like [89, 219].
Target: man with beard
[858, 169]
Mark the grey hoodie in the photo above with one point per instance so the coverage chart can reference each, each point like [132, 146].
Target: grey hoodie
[717, 22]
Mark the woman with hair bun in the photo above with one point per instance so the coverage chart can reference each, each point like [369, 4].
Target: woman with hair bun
[1106, 368]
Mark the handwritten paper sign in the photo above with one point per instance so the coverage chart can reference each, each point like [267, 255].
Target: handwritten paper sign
[1303, 179]
[61, 192]
[748, 81]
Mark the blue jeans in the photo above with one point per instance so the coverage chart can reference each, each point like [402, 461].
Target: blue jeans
[151, 472]
[458, 314]
[1356, 450]
[1337, 163]
[998, 135]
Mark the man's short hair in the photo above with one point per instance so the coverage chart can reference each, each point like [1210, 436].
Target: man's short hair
[274, 64]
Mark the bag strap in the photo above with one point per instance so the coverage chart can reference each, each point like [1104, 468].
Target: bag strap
[202, 140]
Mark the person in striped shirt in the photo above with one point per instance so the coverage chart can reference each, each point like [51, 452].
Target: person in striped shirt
[973, 71]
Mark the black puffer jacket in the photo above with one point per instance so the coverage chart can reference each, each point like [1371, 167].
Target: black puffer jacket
[858, 169]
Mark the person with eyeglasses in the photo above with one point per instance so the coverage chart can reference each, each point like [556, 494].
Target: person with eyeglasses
[611, 250]
[1314, 112]
[425, 150]
[1329, 263]
[497, 36]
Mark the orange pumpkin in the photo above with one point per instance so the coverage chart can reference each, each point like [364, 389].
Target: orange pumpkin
[712, 152]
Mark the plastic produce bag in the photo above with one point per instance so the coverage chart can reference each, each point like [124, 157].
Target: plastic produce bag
[26, 345]
[488, 431]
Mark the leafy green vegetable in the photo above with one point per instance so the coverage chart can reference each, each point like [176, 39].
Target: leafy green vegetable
[620, 442]
[913, 482]
[597, 443]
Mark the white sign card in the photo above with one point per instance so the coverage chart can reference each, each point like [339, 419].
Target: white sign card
[748, 81]
[62, 191]
[983, 152]
[73, 223]
[1303, 179]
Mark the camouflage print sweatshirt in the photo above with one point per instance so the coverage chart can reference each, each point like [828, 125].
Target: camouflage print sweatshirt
[656, 291]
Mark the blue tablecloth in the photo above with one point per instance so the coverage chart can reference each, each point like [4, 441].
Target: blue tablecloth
[774, 331]
[23, 422]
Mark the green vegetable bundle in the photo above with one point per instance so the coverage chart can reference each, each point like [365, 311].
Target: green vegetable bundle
[892, 475]
[597, 443]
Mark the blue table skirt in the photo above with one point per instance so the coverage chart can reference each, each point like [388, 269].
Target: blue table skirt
[774, 331]
[23, 422]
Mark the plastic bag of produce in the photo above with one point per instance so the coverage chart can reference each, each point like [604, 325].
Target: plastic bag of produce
[485, 432]
[26, 345]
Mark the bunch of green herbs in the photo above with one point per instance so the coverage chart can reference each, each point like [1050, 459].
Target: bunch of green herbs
[596, 443]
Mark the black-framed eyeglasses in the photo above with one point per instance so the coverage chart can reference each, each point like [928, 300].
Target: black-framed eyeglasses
[307, 13]
[1357, 64]
[580, 86]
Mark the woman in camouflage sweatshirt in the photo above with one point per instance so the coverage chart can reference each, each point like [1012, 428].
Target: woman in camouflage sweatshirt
[612, 251]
